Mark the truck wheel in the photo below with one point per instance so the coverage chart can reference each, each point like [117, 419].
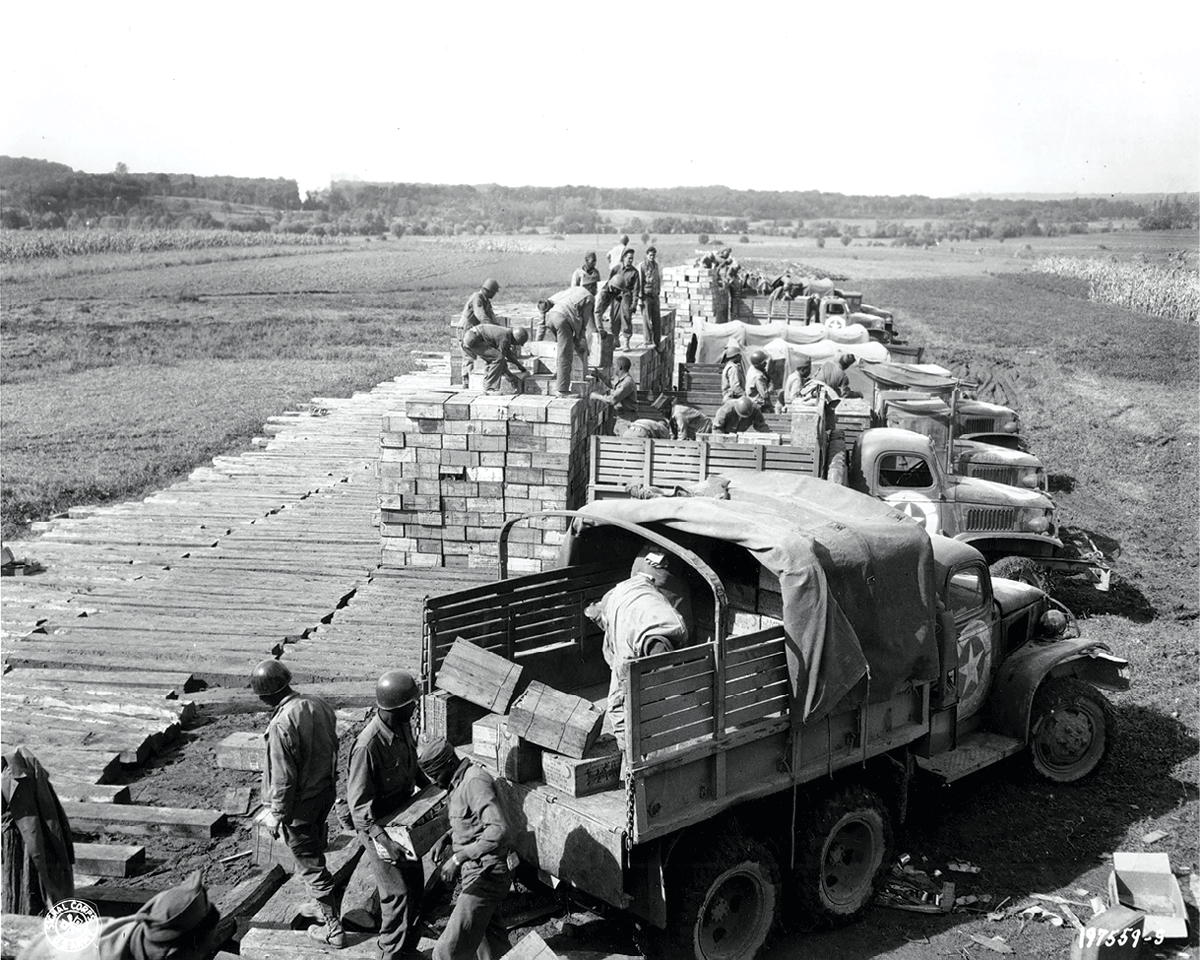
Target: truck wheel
[1022, 569]
[1071, 731]
[723, 902]
[841, 852]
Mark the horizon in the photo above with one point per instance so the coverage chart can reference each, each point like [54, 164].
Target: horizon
[917, 102]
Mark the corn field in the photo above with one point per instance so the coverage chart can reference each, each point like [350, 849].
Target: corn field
[22, 245]
[1171, 291]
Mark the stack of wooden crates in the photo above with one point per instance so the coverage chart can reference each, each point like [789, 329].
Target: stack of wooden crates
[454, 467]
[521, 731]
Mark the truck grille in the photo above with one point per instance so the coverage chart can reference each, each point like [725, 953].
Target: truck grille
[991, 518]
[979, 425]
[997, 474]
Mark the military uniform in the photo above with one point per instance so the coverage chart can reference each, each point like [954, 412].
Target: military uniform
[299, 784]
[382, 778]
[480, 837]
[650, 282]
[728, 420]
[569, 319]
[493, 343]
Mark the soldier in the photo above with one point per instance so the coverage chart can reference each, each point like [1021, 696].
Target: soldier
[832, 373]
[650, 284]
[739, 416]
[631, 293]
[796, 382]
[477, 310]
[612, 291]
[621, 395]
[647, 614]
[478, 847]
[644, 427]
[733, 379]
[495, 344]
[568, 316]
[177, 924]
[299, 788]
[614, 255]
[38, 847]
[759, 387]
[587, 276]
[382, 779]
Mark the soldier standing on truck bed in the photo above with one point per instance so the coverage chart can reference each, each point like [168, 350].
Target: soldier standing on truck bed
[383, 775]
[478, 846]
[758, 386]
[649, 613]
[299, 788]
[733, 378]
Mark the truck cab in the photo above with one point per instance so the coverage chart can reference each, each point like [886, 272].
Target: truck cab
[901, 467]
[931, 416]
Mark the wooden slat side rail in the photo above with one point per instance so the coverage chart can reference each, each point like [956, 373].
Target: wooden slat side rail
[618, 462]
[687, 671]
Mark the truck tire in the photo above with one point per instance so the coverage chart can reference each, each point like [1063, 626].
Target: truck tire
[1071, 730]
[722, 902]
[841, 852]
[1021, 569]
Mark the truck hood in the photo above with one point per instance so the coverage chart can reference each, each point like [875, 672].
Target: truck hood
[972, 451]
[1012, 595]
[978, 408]
[975, 490]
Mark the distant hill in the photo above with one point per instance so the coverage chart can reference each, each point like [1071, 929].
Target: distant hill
[45, 194]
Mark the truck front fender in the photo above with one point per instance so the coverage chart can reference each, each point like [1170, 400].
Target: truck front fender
[1011, 702]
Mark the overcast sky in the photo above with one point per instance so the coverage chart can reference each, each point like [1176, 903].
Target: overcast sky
[936, 99]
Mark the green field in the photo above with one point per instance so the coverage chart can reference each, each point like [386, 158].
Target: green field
[120, 373]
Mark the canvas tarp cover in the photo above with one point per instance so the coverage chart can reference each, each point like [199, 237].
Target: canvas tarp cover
[815, 341]
[856, 577]
[906, 376]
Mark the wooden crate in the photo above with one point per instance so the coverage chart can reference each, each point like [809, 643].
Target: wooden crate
[448, 717]
[422, 823]
[598, 770]
[555, 720]
[480, 676]
[515, 758]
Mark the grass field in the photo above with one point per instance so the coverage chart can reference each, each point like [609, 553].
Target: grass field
[119, 373]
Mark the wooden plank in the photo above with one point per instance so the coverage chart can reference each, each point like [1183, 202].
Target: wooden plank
[113, 901]
[479, 676]
[223, 701]
[108, 860]
[686, 716]
[244, 750]
[279, 913]
[130, 818]
[665, 691]
[668, 738]
[283, 943]
[71, 789]
[171, 684]
[755, 680]
[559, 721]
[699, 697]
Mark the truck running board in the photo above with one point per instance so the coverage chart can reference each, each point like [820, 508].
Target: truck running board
[974, 752]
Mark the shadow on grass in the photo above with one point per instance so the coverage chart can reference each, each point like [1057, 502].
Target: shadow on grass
[1061, 483]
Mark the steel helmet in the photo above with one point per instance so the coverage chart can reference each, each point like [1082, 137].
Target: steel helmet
[395, 689]
[491, 286]
[759, 358]
[744, 406]
[520, 334]
[270, 677]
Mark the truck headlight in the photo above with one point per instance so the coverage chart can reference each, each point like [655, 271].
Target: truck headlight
[1037, 524]
[1053, 623]
[1009, 426]
[1030, 480]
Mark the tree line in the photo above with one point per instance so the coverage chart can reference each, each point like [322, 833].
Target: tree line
[46, 194]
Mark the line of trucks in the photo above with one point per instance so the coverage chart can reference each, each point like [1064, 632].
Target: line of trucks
[847, 638]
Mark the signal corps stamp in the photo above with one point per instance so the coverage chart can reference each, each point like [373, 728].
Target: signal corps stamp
[72, 925]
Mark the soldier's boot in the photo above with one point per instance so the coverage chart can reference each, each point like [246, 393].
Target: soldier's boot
[312, 910]
[331, 931]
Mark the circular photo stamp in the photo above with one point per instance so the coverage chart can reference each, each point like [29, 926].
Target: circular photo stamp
[72, 925]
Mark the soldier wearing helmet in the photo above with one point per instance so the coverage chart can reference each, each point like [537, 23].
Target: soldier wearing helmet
[568, 316]
[739, 416]
[299, 788]
[758, 385]
[733, 379]
[477, 310]
[382, 779]
[497, 345]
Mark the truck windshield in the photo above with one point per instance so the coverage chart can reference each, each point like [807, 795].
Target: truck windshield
[904, 470]
[965, 593]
